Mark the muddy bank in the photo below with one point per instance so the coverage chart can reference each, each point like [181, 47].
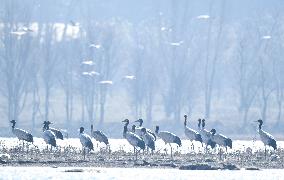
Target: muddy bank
[211, 160]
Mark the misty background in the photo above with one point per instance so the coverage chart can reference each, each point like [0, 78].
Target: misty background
[77, 63]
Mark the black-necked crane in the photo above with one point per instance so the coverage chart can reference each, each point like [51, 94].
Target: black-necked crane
[21, 134]
[86, 141]
[168, 138]
[48, 135]
[148, 130]
[191, 134]
[221, 140]
[133, 139]
[266, 138]
[58, 134]
[205, 135]
[99, 136]
[148, 139]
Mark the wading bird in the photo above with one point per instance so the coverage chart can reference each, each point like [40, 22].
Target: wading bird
[148, 139]
[133, 139]
[266, 138]
[58, 134]
[205, 135]
[148, 130]
[191, 134]
[99, 136]
[221, 140]
[86, 141]
[48, 135]
[168, 138]
[21, 134]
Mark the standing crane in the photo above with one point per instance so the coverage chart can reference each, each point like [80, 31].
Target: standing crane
[168, 138]
[191, 134]
[132, 138]
[58, 134]
[99, 136]
[221, 140]
[148, 139]
[48, 135]
[86, 141]
[206, 135]
[148, 130]
[266, 138]
[21, 134]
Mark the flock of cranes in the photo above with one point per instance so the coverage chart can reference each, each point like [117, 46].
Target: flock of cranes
[141, 137]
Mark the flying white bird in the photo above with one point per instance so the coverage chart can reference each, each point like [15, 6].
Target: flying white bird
[176, 43]
[203, 16]
[106, 82]
[97, 46]
[91, 63]
[130, 77]
[18, 33]
[266, 37]
[163, 28]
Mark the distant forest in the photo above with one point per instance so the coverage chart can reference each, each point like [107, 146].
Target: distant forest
[100, 61]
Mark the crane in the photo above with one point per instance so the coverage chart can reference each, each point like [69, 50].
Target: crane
[168, 138]
[191, 134]
[148, 130]
[206, 135]
[58, 134]
[221, 140]
[99, 136]
[48, 135]
[86, 141]
[21, 134]
[133, 139]
[148, 139]
[266, 138]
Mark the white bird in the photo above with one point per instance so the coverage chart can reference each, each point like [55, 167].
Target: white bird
[266, 37]
[21, 134]
[18, 33]
[86, 141]
[99, 136]
[205, 16]
[91, 63]
[148, 139]
[106, 82]
[266, 138]
[58, 134]
[191, 134]
[176, 43]
[148, 130]
[130, 77]
[205, 135]
[132, 138]
[97, 46]
[168, 138]
[48, 135]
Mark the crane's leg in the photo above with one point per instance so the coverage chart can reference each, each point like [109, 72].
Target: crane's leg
[220, 153]
[23, 145]
[135, 151]
[265, 152]
[192, 146]
[171, 150]
[84, 153]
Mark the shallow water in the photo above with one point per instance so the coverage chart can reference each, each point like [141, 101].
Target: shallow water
[131, 173]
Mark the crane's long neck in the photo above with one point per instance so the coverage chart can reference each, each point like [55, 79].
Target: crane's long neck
[203, 124]
[185, 121]
[13, 125]
[199, 123]
[124, 130]
[259, 126]
[140, 123]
